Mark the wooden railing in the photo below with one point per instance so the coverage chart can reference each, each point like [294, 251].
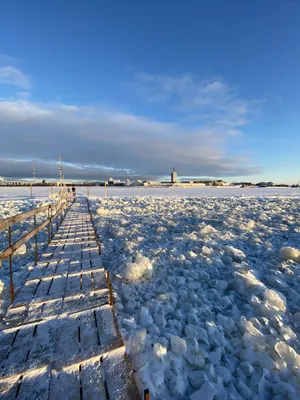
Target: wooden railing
[55, 213]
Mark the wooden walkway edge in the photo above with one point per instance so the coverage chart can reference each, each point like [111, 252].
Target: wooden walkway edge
[59, 339]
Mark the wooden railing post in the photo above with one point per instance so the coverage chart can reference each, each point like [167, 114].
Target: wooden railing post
[111, 299]
[36, 242]
[50, 223]
[12, 289]
[56, 221]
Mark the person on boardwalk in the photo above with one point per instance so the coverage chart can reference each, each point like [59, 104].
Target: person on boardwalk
[74, 192]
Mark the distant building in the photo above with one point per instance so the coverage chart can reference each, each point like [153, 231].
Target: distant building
[265, 184]
[173, 176]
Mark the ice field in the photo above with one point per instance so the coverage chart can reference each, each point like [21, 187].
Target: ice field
[208, 288]
[208, 293]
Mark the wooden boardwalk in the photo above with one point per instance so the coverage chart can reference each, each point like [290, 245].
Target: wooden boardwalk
[59, 338]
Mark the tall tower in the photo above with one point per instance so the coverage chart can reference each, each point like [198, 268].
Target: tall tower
[61, 175]
[173, 176]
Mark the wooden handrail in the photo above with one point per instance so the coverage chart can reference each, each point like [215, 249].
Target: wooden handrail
[5, 223]
[53, 212]
[11, 249]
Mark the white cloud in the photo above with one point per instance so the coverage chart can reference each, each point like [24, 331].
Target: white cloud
[21, 110]
[95, 142]
[215, 87]
[7, 60]
[24, 95]
[13, 76]
[209, 103]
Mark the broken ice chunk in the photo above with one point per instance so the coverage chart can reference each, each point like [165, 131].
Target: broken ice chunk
[178, 345]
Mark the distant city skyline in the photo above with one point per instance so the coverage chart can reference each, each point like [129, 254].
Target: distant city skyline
[130, 89]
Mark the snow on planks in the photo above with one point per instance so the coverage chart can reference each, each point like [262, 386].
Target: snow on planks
[60, 339]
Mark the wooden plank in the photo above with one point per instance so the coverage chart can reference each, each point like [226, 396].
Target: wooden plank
[18, 352]
[6, 339]
[118, 376]
[106, 324]
[44, 287]
[86, 264]
[91, 381]
[27, 291]
[34, 312]
[58, 285]
[52, 266]
[63, 267]
[52, 307]
[88, 331]
[35, 384]
[73, 284]
[13, 316]
[67, 341]
[99, 278]
[38, 271]
[9, 387]
[65, 384]
[97, 262]
[43, 343]
[86, 281]
[81, 301]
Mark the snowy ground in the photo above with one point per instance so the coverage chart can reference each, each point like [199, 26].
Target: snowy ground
[23, 258]
[8, 193]
[206, 298]
[208, 302]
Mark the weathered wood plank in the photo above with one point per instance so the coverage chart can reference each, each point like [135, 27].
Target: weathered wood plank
[38, 271]
[73, 284]
[43, 287]
[58, 285]
[68, 335]
[18, 352]
[52, 266]
[65, 384]
[43, 343]
[35, 384]
[99, 278]
[106, 324]
[88, 331]
[9, 387]
[91, 381]
[118, 376]
[27, 291]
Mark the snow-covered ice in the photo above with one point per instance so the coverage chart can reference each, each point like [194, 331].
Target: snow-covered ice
[208, 288]
[207, 293]
[21, 192]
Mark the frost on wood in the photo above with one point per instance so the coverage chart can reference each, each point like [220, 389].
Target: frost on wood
[207, 304]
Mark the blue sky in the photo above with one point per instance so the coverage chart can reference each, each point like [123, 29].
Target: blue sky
[131, 88]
